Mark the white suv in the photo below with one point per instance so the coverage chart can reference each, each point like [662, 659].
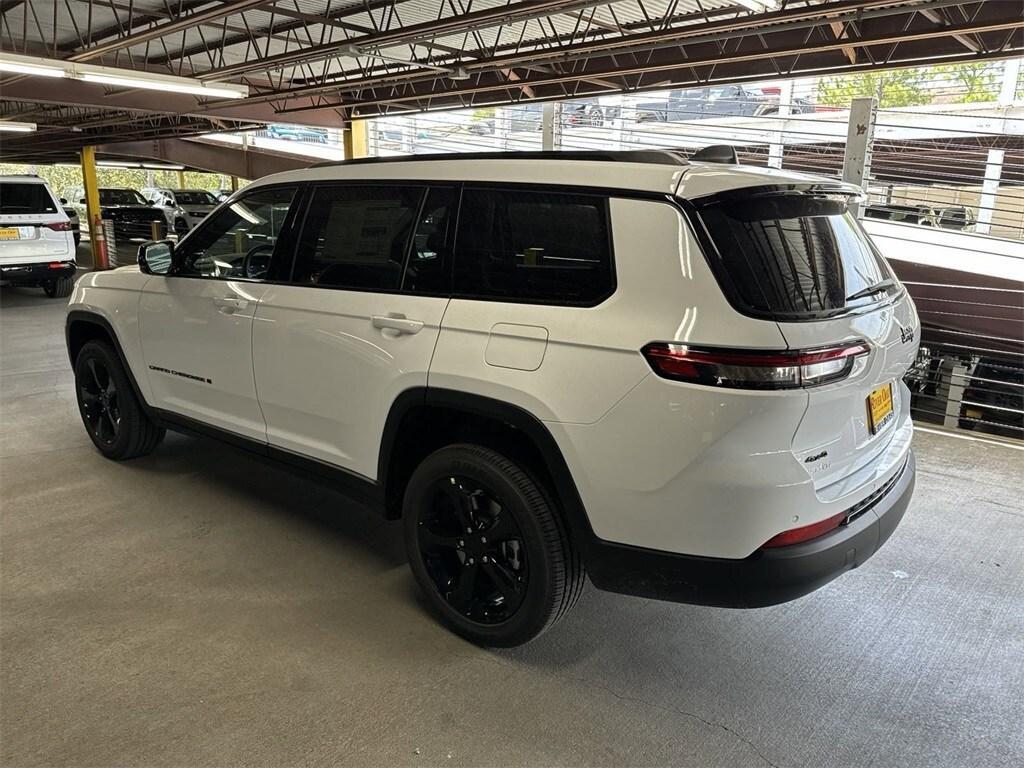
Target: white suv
[37, 241]
[681, 378]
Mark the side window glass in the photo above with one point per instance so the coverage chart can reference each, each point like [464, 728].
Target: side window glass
[239, 240]
[357, 236]
[426, 270]
[544, 247]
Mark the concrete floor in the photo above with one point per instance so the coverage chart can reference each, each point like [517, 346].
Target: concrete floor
[197, 608]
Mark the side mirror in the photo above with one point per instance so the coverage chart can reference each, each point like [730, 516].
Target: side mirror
[82, 201]
[63, 201]
[156, 258]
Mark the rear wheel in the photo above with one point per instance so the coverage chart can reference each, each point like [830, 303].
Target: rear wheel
[111, 412]
[485, 546]
[59, 288]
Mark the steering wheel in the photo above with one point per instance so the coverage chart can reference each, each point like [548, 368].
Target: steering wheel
[257, 270]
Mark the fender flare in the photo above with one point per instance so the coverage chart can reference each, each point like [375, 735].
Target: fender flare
[565, 489]
[93, 318]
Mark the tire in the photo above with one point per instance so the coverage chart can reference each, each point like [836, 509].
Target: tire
[60, 288]
[500, 593]
[111, 413]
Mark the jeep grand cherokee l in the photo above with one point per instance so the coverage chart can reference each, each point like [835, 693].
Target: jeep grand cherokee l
[680, 378]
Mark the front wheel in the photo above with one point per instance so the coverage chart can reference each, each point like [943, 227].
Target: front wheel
[111, 412]
[486, 547]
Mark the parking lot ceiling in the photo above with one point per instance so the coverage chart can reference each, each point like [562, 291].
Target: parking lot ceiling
[323, 62]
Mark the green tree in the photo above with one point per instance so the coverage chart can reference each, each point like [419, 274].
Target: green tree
[975, 81]
[893, 88]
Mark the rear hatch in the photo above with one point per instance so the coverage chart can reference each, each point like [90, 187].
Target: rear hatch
[33, 227]
[796, 255]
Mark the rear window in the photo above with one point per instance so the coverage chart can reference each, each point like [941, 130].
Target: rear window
[792, 255]
[121, 197]
[16, 198]
[533, 246]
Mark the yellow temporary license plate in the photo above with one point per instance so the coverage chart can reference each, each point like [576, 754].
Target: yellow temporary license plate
[9, 233]
[880, 410]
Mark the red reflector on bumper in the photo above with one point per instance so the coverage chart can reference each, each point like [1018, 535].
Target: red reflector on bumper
[806, 532]
[56, 265]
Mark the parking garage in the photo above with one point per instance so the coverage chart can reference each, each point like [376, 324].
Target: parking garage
[204, 605]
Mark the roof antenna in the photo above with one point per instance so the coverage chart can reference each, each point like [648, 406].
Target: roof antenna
[716, 153]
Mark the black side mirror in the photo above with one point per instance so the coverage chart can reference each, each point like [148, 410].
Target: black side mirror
[156, 257]
[63, 201]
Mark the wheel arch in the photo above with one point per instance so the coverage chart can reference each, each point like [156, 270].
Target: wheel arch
[423, 419]
[81, 327]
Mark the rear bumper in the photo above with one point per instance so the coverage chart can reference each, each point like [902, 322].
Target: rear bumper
[37, 272]
[767, 577]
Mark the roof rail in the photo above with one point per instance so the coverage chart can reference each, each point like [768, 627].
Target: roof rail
[656, 156]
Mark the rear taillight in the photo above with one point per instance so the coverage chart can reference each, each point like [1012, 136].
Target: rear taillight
[755, 369]
[59, 226]
[806, 532]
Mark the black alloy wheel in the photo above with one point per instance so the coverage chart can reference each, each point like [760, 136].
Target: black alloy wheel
[113, 416]
[101, 410]
[488, 547]
[473, 550]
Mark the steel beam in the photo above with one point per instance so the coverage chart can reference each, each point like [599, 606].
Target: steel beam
[216, 158]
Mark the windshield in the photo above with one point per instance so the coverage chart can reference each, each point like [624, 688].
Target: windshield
[195, 197]
[121, 197]
[794, 255]
[25, 198]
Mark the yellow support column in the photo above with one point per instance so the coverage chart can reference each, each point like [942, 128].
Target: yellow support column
[234, 184]
[181, 179]
[92, 209]
[355, 139]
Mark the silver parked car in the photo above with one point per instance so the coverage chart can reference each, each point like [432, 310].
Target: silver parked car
[184, 208]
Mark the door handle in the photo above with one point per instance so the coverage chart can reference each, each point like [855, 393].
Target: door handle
[396, 322]
[230, 303]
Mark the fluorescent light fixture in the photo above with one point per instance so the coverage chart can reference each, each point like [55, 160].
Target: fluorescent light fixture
[30, 65]
[162, 167]
[169, 83]
[12, 127]
[126, 78]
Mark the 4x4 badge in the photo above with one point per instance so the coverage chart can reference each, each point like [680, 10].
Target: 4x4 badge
[906, 334]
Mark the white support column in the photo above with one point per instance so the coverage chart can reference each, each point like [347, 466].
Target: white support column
[503, 127]
[859, 138]
[989, 190]
[777, 138]
[547, 126]
[1008, 89]
[551, 126]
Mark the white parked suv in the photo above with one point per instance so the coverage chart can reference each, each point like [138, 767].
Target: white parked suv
[37, 241]
[682, 379]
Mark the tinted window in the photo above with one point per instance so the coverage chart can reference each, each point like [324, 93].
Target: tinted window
[121, 197]
[239, 240]
[357, 236]
[195, 198]
[427, 267]
[546, 247]
[793, 255]
[25, 198]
